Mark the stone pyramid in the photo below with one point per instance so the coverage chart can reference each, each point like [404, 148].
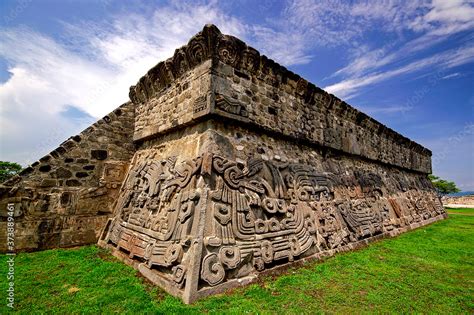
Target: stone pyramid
[222, 167]
[243, 167]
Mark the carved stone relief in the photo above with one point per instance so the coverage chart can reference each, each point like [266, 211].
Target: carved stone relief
[231, 106]
[258, 214]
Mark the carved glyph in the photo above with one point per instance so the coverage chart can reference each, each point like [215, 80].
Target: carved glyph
[258, 214]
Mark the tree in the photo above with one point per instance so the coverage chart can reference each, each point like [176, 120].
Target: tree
[443, 187]
[8, 169]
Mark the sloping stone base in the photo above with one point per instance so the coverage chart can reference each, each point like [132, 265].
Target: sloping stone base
[200, 225]
[169, 285]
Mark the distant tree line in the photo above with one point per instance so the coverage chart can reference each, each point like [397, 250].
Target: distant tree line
[443, 187]
[8, 169]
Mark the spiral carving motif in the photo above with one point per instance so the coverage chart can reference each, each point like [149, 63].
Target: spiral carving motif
[251, 59]
[212, 270]
[227, 51]
[197, 50]
[230, 256]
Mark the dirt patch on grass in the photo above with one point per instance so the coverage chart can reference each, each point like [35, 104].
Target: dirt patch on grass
[73, 290]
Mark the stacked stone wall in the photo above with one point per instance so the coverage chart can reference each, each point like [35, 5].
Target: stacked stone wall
[212, 206]
[259, 169]
[65, 198]
[252, 88]
[281, 106]
[223, 166]
[176, 105]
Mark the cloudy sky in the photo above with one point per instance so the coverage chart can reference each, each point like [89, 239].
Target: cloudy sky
[409, 64]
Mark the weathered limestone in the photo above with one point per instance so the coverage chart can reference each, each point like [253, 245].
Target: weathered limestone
[65, 198]
[241, 167]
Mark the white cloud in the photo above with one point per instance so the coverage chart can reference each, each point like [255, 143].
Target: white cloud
[91, 69]
[446, 17]
[346, 23]
[127, 40]
[364, 59]
[441, 61]
[305, 25]
[285, 48]
[434, 22]
[47, 76]
[452, 75]
[394, 109]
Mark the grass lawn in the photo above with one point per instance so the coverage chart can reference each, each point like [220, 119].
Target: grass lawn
[429, 270]
[465, 211]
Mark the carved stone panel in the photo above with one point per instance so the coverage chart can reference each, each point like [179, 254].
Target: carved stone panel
[210, 221]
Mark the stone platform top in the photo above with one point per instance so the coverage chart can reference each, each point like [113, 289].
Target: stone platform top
[219, 75]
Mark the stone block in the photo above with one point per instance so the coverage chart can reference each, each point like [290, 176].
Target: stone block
[224, 166]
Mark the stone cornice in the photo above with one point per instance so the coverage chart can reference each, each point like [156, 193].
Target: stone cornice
[210, 43]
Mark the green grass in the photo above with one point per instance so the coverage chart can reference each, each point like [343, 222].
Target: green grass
[466, 211]
[429, 270]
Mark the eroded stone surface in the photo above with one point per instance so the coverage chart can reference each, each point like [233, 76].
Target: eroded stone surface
[64, 201]
[237, 167]
[255, 213]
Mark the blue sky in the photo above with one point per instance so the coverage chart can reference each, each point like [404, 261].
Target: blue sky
[409, 64]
